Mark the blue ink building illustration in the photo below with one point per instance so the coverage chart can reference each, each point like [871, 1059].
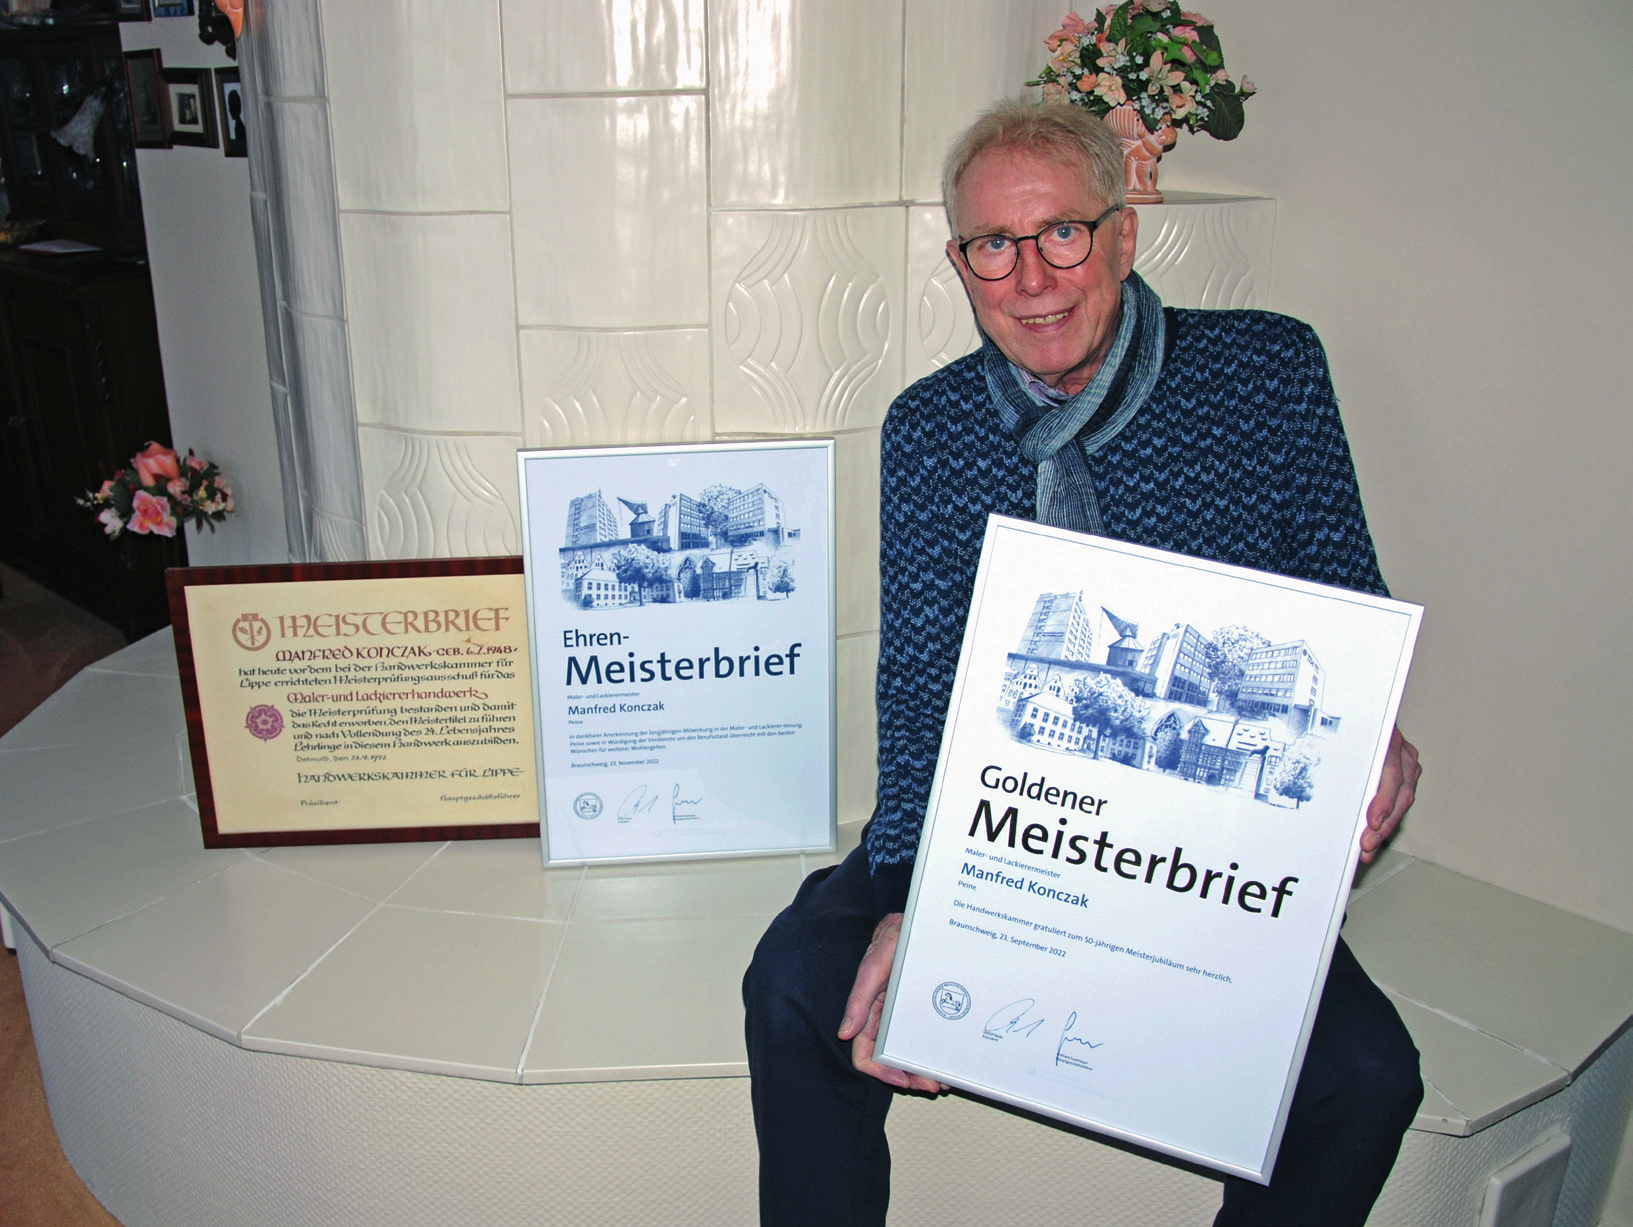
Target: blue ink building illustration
[1229, 710]
[723, 544]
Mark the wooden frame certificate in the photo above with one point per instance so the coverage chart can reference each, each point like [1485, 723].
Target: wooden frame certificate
[357, 702]
[681, 609]
[1140, 839]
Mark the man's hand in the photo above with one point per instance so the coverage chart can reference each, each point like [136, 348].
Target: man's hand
[867, 1004]
[1397, 788]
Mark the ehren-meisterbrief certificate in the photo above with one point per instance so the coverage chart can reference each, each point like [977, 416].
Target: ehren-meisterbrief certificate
[1140, 839]
[681, 611]
[361, 705]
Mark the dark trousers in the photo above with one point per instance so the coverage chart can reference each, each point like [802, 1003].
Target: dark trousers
[824, 1161]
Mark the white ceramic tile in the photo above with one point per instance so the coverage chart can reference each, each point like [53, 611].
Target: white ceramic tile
[54, 787]
[153, 655]
[432, 317]
[594, 46]
[461, 1002]
[609, 206]
[858, 657]
[1437, 1114]
[65, 882]
[1484, 1078]
[307, 237]
[374, 871]
[856, 519]
[417, 104]
[1494, 959]
[808, 312]
[1207, 252]
[96, 710]
[337, 538]
[597, 388]
[960, 56]
[440, 496]
[322, 400]
[805, 102]
[751, 887]
[652, 998]
[267, 266]
[214, 953]
[941, 325]
[493, 877]
[290, 51]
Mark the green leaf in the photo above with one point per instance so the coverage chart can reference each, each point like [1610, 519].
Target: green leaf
[1119, 21]
[1226, 116]
[1209, 38]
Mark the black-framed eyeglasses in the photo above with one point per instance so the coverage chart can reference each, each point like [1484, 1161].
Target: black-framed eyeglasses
[992, 257]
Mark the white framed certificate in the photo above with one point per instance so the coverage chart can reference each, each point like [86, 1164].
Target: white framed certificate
[1140, 839]
[680, 600]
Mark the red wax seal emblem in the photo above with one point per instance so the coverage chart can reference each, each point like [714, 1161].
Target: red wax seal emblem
[264, 721]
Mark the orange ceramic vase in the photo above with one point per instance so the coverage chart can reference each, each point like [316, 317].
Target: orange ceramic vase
[1141, 149]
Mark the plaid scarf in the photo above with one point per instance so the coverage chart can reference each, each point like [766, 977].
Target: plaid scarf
[1092, 418]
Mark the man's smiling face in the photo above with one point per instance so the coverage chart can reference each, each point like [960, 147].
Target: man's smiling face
[1057, 323]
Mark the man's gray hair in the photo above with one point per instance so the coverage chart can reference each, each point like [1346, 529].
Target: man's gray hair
[1067, 134]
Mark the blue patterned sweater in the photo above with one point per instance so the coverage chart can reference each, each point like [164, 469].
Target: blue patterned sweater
[1238, 455]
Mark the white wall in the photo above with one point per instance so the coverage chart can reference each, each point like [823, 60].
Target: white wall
[202, 252]
[1457, 229]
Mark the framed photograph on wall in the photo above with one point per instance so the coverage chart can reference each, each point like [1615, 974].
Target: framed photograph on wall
[192, 109]
[229, 99]
[149, 100]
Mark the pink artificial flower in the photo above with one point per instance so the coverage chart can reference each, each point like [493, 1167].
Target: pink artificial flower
[1111, 89]
[1247, 87]
[1185, 50]
[176, 487]
[1086, 83]
[1055, 92]
[156, 463]
[1074, 25]
[1181, 104]
[107, 489]
[1221, 77]
[151, 515]
[194, 463]
[1195, 19]
[111, 523]
[1187, 33]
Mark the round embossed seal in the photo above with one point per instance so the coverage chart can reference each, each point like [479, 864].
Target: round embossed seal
[251, 632]
[587, 805]
[952, 1000]
[264, 721]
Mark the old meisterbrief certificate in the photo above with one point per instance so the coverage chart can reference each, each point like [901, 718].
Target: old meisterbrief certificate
[1139, 843]
[364, 704]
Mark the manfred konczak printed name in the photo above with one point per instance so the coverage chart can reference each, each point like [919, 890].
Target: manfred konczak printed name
[1140, 839]
[681, 611]
[365, 704]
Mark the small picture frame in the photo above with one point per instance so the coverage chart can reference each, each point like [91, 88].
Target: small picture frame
[173, 8]
[134, 10]
[149, 99]
[192, 107]
[229, 98]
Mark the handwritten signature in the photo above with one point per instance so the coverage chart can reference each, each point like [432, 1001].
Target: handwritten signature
[1065, 1055]
[1012, 1020]
[684, 809]
[637, 804]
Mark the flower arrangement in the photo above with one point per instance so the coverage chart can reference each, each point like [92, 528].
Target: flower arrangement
[1153, 56]
[159, 491]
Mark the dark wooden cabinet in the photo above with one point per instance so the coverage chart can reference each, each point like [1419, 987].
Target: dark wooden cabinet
[81, 391]
[81, 387]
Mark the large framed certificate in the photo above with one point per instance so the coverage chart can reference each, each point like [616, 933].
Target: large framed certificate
[357, 702]
[680, 607]
[1139, 843]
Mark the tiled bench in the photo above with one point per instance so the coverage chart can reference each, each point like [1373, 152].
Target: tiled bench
[435, 1033]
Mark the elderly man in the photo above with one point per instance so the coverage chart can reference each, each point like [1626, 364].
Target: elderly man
[1089, 406]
